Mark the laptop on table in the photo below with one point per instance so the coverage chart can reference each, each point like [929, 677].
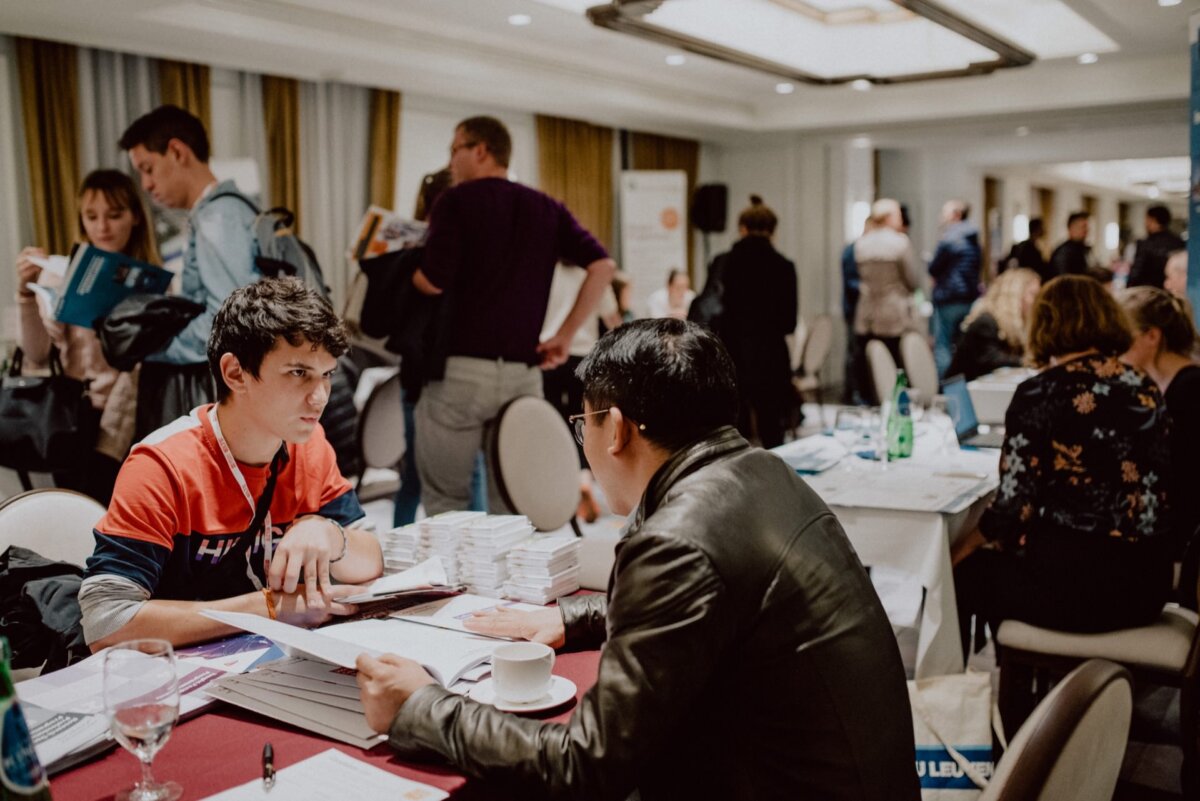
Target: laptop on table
[966, 425]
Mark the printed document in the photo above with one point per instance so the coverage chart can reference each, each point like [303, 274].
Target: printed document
[332, 774]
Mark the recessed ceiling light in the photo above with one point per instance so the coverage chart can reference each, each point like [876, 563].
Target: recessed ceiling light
[785, 88]
[861, 142]
[1088, 58]
[860, 85]
[1153, 193]
[675, 59]
[1022, 130]
[1166, 3]
[520, 20]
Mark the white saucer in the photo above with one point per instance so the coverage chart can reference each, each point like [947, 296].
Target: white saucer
[561, 691]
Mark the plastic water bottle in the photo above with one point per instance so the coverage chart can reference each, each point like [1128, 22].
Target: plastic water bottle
[899, 422]
[21, 774]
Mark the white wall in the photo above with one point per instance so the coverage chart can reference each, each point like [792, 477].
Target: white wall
[426, 129]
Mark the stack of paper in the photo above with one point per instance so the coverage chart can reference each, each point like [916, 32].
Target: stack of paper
[440, 536]
[400, 548]
[542, 568]
[482, 558]
[332, 774]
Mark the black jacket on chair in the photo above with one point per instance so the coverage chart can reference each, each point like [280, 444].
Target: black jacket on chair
[746, 656]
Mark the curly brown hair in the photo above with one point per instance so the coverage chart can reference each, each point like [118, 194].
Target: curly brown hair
[1075, 313]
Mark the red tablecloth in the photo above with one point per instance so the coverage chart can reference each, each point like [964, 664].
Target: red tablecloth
[223, 748]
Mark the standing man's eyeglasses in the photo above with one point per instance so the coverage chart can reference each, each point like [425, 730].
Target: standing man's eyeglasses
[455, 148]
[577, 421]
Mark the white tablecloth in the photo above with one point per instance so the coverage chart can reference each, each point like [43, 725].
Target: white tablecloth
[991, 393]
[918, 542]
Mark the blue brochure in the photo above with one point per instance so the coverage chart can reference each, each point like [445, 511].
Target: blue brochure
[98, 280]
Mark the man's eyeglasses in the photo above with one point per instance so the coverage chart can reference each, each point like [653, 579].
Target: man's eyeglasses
[577, 421]
[455, 148]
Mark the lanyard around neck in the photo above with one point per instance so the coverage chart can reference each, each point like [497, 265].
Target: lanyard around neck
[241, 482]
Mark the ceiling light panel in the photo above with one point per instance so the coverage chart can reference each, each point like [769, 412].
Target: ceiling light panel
[771, 31]
[1047, 28]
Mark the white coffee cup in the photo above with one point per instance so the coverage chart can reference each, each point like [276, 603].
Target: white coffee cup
[521, 671]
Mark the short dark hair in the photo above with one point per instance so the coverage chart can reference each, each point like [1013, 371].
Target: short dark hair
[672, 376]
[1036, 228]
[155, 130]
[1073, 313]
[1077, 215]
[253, 318]
[757, 218]
[492, 133]
[1161, 215]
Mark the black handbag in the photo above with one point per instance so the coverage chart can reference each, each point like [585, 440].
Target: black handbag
[46, 422]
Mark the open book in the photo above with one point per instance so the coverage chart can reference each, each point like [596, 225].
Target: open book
[97, 280]
[382, 231]
[426, 580]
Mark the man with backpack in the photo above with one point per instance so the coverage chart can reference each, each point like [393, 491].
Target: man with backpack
[169, 149]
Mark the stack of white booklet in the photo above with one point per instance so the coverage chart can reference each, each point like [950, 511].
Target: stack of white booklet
[485, 543]
[441, 535]
[400, 548]
[541, 569]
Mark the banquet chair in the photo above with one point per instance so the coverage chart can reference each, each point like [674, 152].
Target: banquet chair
[1071, 747]
[918, 364]
[796, 341]
[56, 523]
[532, 456]
[813, 356]
[1164, 653]
[381, 431]
[883, 369]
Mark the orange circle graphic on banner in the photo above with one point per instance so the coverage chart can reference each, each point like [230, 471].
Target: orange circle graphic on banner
[670, 218]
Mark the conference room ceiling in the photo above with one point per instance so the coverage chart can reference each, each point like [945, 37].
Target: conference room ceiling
[559, 63]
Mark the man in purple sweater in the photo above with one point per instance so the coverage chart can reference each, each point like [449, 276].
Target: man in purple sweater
[492, 248]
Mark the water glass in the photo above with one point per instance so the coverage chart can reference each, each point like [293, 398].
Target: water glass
[141, 696]
[943, 416]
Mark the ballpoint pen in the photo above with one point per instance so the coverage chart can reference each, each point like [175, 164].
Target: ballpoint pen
[268, 766]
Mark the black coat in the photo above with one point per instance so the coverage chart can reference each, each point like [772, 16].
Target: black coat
[759, 311]
[1150, 261]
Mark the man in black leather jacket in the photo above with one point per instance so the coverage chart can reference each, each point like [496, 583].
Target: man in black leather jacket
[746, 655]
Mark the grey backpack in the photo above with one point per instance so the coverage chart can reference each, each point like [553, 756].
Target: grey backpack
[279, 250]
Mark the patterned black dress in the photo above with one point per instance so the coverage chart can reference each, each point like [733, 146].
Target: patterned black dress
[1080, 513]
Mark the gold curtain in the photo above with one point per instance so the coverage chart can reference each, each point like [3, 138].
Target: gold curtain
[575, 166]
[281, 115]
[49, 93]
[383, 149]
[186, 85]
[654, 152]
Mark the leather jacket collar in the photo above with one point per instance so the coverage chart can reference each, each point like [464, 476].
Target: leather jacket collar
[721, 442]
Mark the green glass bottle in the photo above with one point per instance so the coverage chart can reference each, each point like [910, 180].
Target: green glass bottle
[899, 422]
[21, 774]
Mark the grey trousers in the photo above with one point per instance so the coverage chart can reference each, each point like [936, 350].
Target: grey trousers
[451, 419]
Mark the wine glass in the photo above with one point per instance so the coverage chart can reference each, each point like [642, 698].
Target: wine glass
[141, 695]
[847, 428]
[944, 416]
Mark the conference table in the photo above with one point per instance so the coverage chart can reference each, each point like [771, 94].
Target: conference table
[222, 748]
[992, 393]
[906, 515]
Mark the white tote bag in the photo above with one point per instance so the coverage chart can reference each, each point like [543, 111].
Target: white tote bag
[952, 724]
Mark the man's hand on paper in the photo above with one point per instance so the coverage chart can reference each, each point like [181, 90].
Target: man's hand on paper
[294, 607]
[544, 625]
[27, 271]
[309, 545]
[384, 684]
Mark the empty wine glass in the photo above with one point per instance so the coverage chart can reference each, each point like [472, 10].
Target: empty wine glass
[847, 428]
[141, 695]
[943, 415]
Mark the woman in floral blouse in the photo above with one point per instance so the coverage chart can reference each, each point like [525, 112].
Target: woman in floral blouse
[1078, 529]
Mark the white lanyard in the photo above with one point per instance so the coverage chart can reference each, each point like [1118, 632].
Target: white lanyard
[241, 481]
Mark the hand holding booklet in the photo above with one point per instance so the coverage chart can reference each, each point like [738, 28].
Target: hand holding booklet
[426, 579]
